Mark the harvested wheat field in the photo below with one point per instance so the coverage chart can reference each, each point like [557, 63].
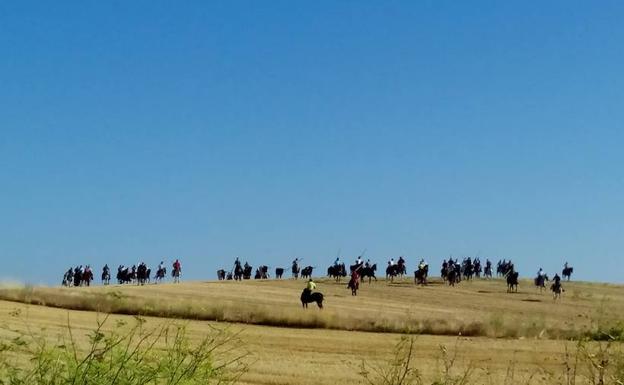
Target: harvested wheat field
[476, 330]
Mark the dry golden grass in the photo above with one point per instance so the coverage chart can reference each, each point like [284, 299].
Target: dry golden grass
[478, 308]
[292, 355]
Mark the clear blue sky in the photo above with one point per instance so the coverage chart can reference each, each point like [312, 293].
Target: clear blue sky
[135, 130]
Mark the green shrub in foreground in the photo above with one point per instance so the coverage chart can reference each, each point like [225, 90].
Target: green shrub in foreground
[136, 356]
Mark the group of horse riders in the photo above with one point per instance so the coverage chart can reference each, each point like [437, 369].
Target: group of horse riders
[78, 276]
[556, 287]
[82, 276]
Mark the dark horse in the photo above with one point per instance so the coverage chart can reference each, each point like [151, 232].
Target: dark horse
[512, 282]
[394, 270]
[308, 297]
[453, 275]
[354, 284]
[247, 271]
[238, 273]
[420, 275]
[368, 272]
[337, 271]
[557, 289]
[567, 272]
[540, 281]
[106, 276]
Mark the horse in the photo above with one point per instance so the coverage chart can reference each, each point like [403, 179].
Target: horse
[420, 275]
[308, 297]
[221, 275]
[306, 272]
[392, 271]
[86, 278]
[279, 272]
[175, 274]
[467, 269]
[557, 289]
[354, 284]
[567, 272]
[488, 271]
[68, 277]
[337, 271]
[540, 281]
[401, 269]
[142, 274]
[247, 271]
[238, 273]
[161, 273]
[512, 282]
[368, 272]
[106, 276]
[452, 275]
[503, 268]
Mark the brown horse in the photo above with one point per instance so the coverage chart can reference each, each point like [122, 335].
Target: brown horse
[354, 284]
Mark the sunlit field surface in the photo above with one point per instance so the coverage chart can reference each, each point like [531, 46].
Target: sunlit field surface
[488, 329]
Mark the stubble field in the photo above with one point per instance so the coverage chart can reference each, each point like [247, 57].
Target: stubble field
[501, 337]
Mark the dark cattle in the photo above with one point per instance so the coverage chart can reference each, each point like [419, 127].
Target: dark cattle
[279, 272]
[262, 273]
[337, 271]
[307, 272]
[221, 275]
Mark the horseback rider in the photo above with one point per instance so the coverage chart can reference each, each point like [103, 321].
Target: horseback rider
[237, 263]
[565, 265]
[177, 266]
[541, 273]
[367, 264]
[337, 262]
[422, 264]
[310, 286]
[557, 279]
[391, 262]
[359, 260]
[401, 261]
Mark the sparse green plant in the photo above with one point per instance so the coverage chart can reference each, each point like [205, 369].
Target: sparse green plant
[136, 355]
[398, 371]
